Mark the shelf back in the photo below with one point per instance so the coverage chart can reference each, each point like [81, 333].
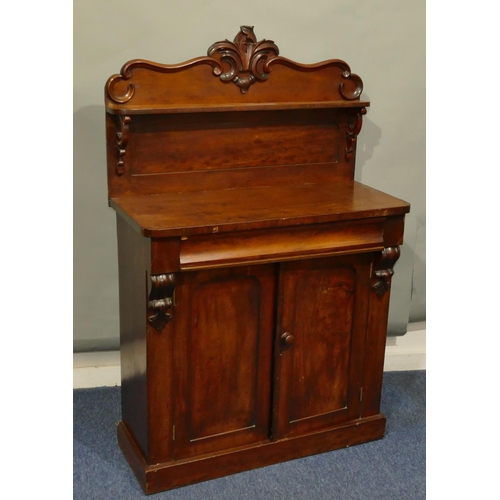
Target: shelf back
[242, 116]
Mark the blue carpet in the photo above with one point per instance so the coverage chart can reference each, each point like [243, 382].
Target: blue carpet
[391, 468]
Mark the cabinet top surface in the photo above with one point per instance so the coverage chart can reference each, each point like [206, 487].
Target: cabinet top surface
[206, 212]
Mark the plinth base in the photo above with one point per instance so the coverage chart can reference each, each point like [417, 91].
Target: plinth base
[173, 474]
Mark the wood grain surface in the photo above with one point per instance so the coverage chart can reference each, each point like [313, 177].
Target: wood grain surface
[205, 212]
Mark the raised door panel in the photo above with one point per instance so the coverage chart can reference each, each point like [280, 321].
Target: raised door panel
[320, 343]
[223, 358]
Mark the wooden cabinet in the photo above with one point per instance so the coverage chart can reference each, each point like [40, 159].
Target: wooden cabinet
[254, 271]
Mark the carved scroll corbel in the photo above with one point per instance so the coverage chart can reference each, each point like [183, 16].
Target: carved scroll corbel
[161, 300]
[121, 143]
[384, 270]
[353, 129]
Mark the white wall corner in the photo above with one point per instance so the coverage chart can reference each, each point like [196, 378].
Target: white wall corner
[406, 352]
[102, 369]
[96, 369]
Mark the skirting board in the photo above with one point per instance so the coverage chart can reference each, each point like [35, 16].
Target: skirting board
[102, 369]
[406, 352]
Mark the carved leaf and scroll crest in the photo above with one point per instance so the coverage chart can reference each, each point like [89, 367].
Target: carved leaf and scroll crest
[244, 61]
[246, 58]
[160, 303]
[384, 270]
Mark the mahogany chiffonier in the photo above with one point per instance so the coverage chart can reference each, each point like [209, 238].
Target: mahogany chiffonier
[254, 271]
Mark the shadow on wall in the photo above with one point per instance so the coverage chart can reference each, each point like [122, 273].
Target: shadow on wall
[418, 281]
[95, 268]
[368, 140]
[408, 288]
[399, 310]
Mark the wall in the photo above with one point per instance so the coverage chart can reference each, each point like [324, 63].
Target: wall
[382, 40]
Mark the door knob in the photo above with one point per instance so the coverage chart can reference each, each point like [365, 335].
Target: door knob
[287, 339]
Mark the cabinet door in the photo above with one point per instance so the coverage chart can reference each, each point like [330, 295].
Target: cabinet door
[320, 343]
[223, 357]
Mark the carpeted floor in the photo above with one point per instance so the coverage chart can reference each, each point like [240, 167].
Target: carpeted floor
[391, 468]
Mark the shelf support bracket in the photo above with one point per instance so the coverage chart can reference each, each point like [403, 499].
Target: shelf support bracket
[121, 143]
[354, 124]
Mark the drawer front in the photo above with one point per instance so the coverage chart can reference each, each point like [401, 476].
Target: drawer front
[249, 247]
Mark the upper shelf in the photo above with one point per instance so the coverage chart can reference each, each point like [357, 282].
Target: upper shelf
[242, 75]
[265, 106]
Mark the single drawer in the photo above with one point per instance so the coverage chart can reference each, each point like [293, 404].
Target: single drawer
[286, 243]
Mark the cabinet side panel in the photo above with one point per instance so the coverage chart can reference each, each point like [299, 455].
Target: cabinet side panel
[381, 278]
[132, 250]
